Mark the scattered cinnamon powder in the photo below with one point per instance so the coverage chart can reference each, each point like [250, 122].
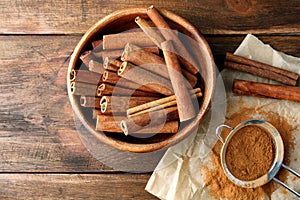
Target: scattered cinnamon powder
[217, 182]
[250, 153]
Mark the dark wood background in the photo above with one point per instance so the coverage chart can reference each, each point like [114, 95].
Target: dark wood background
[41, 155]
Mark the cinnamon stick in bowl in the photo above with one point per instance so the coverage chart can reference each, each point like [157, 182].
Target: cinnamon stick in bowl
[185, 106]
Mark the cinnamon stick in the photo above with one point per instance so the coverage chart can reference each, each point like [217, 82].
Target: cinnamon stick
[96, 66]
[164, 105]
[108, 123]
[116, 104]
[86, 57]
[119, 40]
[112, 77]
[158, 102]
[80, 88]
[107, 89]
[156, 118]
[260, 72]
[97, 45]
[144, 77]
[152, 63]
[185, 106]
[112, 64]
[151, 32]
[260, 65]
[90, 101]
[85, 76]
[185, 57]
[249, 88]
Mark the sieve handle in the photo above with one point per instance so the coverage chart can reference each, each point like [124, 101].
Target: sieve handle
[218, 131]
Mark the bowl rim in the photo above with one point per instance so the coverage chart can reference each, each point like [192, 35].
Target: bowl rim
[180, 135]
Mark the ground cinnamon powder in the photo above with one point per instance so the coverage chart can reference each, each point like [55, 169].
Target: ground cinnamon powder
[220, 187]
[250, 153]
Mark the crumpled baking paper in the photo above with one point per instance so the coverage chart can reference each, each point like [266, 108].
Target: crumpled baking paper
[177, 176]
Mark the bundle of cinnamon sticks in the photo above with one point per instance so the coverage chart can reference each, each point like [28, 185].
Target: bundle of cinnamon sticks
[135, 83]
[288, 91]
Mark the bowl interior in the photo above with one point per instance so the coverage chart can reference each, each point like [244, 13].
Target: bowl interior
[123, 20]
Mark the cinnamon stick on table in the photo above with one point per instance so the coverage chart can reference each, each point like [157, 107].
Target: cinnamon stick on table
[135, 123]
[185, 57]
[260, 69]
[144, 77]
[249, 88]
[184, 101]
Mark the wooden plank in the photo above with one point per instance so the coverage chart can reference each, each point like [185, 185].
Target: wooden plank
[74, 186]
[211, 17]
[37, 131]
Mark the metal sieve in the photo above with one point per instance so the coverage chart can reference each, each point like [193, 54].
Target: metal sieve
[276, 165]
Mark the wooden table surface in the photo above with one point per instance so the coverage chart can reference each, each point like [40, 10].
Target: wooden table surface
[41, 155]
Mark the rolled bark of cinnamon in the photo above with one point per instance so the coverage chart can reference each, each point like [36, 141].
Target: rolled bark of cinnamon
[146, 60]
[90, 101]
[80, 88]
[164, 105]
[158, 102]
[119, 40]
[112, 78]
[151, 32]
[87, 56]
[260, 72]
[107, 89]
[156, 118]
[96, 44]
[260, 65]
[144, 77]
[249, 88]
[185, 106]
[112, 104]
[152, 63]
[85, 76]
[108, 123]
[95, 66]
[185, 57]
[111, 64]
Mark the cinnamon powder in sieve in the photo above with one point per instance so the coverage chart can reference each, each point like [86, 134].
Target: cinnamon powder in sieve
[250, 153]
[219, 186]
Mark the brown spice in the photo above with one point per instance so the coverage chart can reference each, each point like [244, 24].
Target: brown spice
[250, 153]
[217, 182]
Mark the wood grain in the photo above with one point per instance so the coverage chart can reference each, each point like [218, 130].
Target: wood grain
[74, 186]
[37, 131]
[211, 17]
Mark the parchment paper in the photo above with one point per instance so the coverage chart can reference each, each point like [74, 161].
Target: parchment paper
[177, 176]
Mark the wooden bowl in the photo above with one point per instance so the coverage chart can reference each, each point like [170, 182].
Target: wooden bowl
[120, 21]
